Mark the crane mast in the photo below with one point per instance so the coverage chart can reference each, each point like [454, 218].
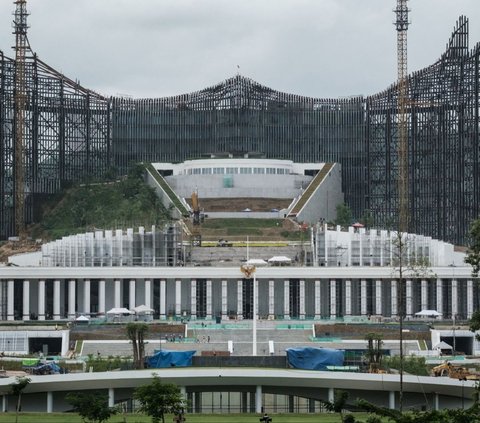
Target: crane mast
[402, 27]
[21, 44]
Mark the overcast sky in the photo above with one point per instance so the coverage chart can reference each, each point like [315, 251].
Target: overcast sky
[157, 48]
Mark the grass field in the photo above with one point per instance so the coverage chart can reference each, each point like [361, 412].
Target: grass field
[191, 418]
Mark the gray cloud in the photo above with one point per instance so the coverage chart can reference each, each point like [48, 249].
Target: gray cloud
[154, 48]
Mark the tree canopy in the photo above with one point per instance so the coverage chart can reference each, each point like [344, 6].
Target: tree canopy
[344, 215]
[473, 253]
[157, 399]
[92, 407]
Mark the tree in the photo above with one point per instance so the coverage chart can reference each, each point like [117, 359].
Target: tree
[475, 323]
[136, 333]
[344, 215]
[338, 404]
[158, 399]
[374, 352]
[92, 407]
[473, 252]
[17, 389]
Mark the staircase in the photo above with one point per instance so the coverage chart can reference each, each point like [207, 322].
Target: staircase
[312, 187]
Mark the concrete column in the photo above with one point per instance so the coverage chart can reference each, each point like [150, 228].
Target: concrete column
[331, 394]
[71, 299]
[302, 299]
[348, 298]
[394, 298]
[49, 402]
[101, 297]
[408, 299]
[240, 299]
[258, 399]
[454, 298]
[318, 302]
[178, 297]
[41, 300]
[224, 300]
[86, 296]
[363, 297]
[117, 294]
[111, 397]
[333, 299]
[469, 299]
[391, 400]
[132, 294]
[193, 299]
[378, 298]
[439, 296]
[271, 299]
[183, 392]
[5, 403]
[26, 300]
[148, 293]
[56, 300]
[10, 300]
[424, 294]
[209, 300]
[163, 299]
[436, 402]
[286, 300]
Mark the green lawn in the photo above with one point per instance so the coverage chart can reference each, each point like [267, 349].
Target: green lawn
[191, 418]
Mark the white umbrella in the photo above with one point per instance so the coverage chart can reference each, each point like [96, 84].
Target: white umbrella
[142, 309]
[118, 310]
[256, 262]
[279, 259]
[82, 318]
[428, 313]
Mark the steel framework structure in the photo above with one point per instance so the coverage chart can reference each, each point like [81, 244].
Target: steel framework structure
[73, 133]
[66, 137]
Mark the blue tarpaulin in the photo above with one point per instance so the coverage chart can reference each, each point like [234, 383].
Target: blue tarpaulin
[165, 358]
[309, 358]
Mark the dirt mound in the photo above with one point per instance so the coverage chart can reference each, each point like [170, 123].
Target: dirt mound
[10, 248]
[240, 204]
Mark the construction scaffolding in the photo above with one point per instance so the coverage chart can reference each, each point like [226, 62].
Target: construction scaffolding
[71, 133]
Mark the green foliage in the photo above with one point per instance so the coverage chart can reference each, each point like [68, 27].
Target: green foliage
[367, 219]
[17, 389]
[469, 415]
[473, 253]
[475, 323]
[92, 407]
[338, 404]
[412, 365]
[121, 203]
[344, 215]
[158, 399]
[100, 364]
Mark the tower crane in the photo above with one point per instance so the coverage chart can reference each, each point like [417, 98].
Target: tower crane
[402, 27]
[21, 46]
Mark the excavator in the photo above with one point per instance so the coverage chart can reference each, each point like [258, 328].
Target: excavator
[455, 372]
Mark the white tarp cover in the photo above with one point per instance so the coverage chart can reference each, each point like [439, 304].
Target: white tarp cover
[256, 262]
[142, 309]
[82, 319]
[119, 310]
[428, 313]
[443, 346]
[279, 259]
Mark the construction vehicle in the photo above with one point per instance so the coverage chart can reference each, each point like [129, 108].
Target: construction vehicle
[375, 369]
[455, 372]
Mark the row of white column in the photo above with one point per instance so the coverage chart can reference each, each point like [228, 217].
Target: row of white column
[147, 300]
